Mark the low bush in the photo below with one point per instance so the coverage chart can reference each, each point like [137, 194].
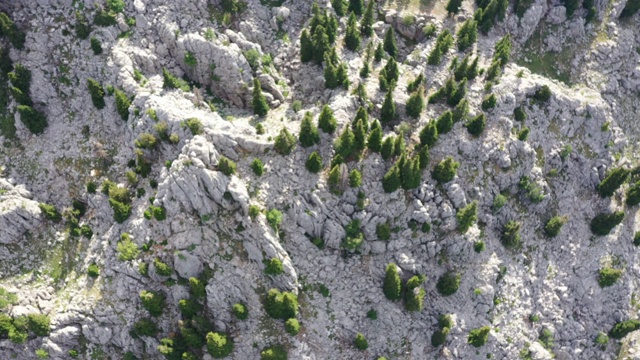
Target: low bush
[360, 342]
[543, 94]
[292, 326]
[603, 223]
[96, 46]
[173, 82]
[194, 125]
[489, 102]
[219, 345]
[93, 270]
[153, 302]
[285, 142]
[281, 305]
[613, 181]
[50, 212]
[448, 283]
[439, 336]
[621, 329]
[383, 231]
[162, 269]
[257, 166]
[39, 324]
[467, 216]
[122, 104]
[478, 337]
[127, 249]
[189, 308]
[392, 284]
[275, 352]
[274, 218]
[240, 311]
[511, 234]
[445, 171]
[553, 226]
[145, 327]
[608, 276]
[273, 267]
[226, 166]
[34, 120]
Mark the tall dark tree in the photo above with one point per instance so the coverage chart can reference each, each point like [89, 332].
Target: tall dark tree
[352, 35]
[453, 6]
[356, 6]
[391, 180]
[308, 131]
[320, 44]
[429, 134]
[359, 136]
[374, 142]
[326, 121]
[362, 114]
[392, 285]
[389, 44]
[366, 25]
[306, 47]
[467, 35]
[260, 105]
[388, 111]
[386, 151]
[415, 104]
[332, 28]
[330, 74]
[339, 6]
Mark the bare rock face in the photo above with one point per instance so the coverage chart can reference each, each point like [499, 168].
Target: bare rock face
[19, 214]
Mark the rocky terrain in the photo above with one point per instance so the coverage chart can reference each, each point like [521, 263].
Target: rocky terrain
[165, 191]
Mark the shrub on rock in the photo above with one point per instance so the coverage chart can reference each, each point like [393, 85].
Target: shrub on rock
[478, 337]
[603, 223]
[219, 345]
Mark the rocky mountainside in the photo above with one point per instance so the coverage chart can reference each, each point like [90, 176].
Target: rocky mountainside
[269, 179]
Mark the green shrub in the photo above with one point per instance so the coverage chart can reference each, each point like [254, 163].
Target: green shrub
[633, 195]
[226, 166]
[532, 189]
[603, 223]
[39, 324]
[448, 283]
[621, 329]
[292, 326]
[636, 240]
[190, 59]
[478, 246]
[608, 276]
[9, 29]
[511, 234]
[372, 314]
[383, 231]
[259, 103]
[355, 178]
[415, 104]
[281, 305]
[254, 211]
[543, 94]
[194, 125]
[121, 211]
[314, 163]
[439, 336]
[42, 354]
[122, 104]
[74, 354]
[50, 212]
[240, 311]
[445, 171]
[162, 269]
[489, 102]
[219, 345]
[354, 237]
[32, 119]
[285, 142]
[391, 180]
[93, 270]
[519, 114]
[189, 308]
[629, 10]
[613, 181]
[96, 46]
[145, 327]
[476, 125]
[173, 82]
[146, 141]
[197, 287]
[274, 218]
[392, 285]
[478, 337]
[127, 249]
[275, 352]
[360, 342]
[553, 226]
[414, 296]
[467, 216]
[273, 266]
[153, 302]
[257, 166]
[6, 299]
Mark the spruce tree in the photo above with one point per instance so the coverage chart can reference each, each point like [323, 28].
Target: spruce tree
[306, 47]
[423, 155]
[352, 35]
[387, 148]
[476, 125]
[260, 106]
[458, 94]
[472, 71]
[415, 104]
[356, 6]
[374, 142]
[461, 110]
[359, 136]
[378, 54]
[398, 145]
[366, 25]
[391, 71]
[342, 75]
[285, 142]
[334, 179]
[308, 131]
[429, 134]
[410, 173]
[445, 171]
[361, 114]
[332, 28]
[320, 44]
[345, 144]
[391, 180]
[330, 74]
[416, 84]
[314, 162]
[414, 296]
[390, 45]
[339, 6]
[355, 178]
[467, 216]
[453, 6]
[445, 122]
[392, 285]
[388, 111]
[460, 70]
[613, 181]
[467, 35]
[327, 122]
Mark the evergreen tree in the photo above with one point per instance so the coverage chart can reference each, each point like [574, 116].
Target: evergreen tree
[415, 104]
[314, 162]
[339, 6]
[366, 69]
[320, 44]
[342, 76]
[453, 6]
[445, 122]
[467, 216]
[308, 131]
[356, 6]
[392, 285]
[352, 35]
[467, 35]
[398, 145]
[458, 94]
[334, 179]
[388, 111]
[414, 296]
[445, 171]
[410, 173]
[429, 134]
[423, 155]
[327, 122]
[387, 148]
[285, 142]
[366, 25]
[359, 136]
[332, 28]
[472, 71]
[613, 181]
[476, 125]
[361, 114]
[461, 110]
[503, 50]
[355, 178]
[391, 71]
[435, 56]
[306, 47]
[97, 93]
[416, 84]
[330, 74]
[488, 17]
[374, 142]
[390, 45]
[391, 180]
[260, 105]
[460, 70]
[345, 144]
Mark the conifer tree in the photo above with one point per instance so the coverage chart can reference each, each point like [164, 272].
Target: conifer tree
[362, 114]
[314, 162]
[260, 105]
[356, 6]
[320, 44]
[476, 125]
[415, 104]
[415, 84]
[460, 70]
[410, 173]
[453, 6]
[423, 156]
[352, 35]
[306, 47]
[392, 285]
[472, 71]
[374, 142]
[414, 296]
[327, 122]
[332, 28]
[330, 74]
[339, 6]
[399, 145]
[388, 111]
[391, 180]
[461, 110]
[390, 45]
[308, 131]
[342, 76]
[429, 134]
[445, 122]
[467, 35]
[355, 178]
[285, 142]
[334, 179]
[359, 136]
[458, 94]
[366, 25]
[467, 216]
[387, 148]
[445, 171]
[378, 54]
[345, 144]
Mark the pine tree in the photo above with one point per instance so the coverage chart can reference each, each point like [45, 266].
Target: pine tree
[342, 75]
[392, 285]
[355, 178]
[460, 70]
[410, 173]
[339, 6]
[352, 35]
[476, 125]
[435, 56]
[260, 105]
[320, 44]
[415, 84]
[453, 6]
[472, 71]
[361, 114]
[415, 104]
[366, 25]
[306, 47]
[360, 136]
[467, 216]
[345, 144]
[390, 43]
[356, 6]
[445, 171]
[374, 142]
[285, 142]
[391, 180]
[330, 74]
[398, 145]
[387, 148]
[388, 111]
[327, 122]
[461, 110]
[334, 179]
[458, 94]
[429, 134]
[308, 131]
[467, 35]
[391, 71]
[414, 296]
[445, 122]
[423, 155]
[378, 54]
[314, 162]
